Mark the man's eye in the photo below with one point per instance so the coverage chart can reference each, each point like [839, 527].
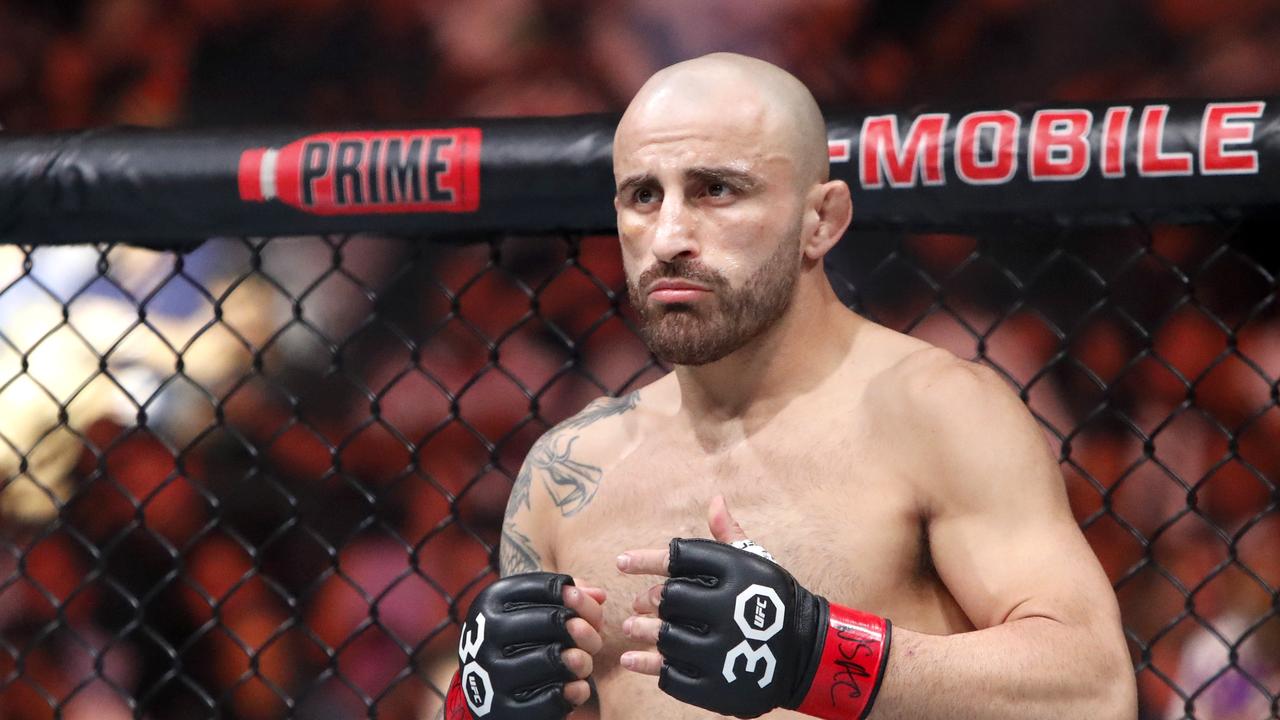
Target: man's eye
[717, 189]
[644, 196]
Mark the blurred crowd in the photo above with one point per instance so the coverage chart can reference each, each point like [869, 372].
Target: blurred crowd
[277, 491]
[81, 63]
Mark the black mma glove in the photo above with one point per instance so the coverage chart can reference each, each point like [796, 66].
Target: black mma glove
[509, 655]
[741, 637]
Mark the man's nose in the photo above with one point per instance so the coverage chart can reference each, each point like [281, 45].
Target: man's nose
[674, 235]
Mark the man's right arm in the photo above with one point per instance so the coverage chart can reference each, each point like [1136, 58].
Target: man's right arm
[524, 544]
[557, 481]
[551, 484]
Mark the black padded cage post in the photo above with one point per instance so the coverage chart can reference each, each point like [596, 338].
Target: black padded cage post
[263, 395]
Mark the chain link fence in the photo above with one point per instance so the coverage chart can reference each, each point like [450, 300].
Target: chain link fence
[265, 478]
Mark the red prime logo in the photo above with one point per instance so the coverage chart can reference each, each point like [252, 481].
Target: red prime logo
[358, 173]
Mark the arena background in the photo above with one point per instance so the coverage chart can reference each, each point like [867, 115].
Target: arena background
[279, 527]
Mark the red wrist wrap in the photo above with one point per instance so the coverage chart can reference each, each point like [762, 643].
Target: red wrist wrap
[455, 701]
[854, 653]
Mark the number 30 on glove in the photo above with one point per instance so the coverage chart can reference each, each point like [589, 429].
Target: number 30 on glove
[741, 637]
[509, 656]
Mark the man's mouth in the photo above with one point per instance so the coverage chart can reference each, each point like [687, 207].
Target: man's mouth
[677, 291]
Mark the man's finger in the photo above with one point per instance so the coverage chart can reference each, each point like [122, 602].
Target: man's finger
[647, 601]
[577, 692]
[644, 562]
[723, 527]
[647, 663]
[642, 629]
[581, 601]
[578, 662]
[584, 636]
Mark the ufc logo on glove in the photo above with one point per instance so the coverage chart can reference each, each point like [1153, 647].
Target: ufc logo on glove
[761, 603]
[786, 639]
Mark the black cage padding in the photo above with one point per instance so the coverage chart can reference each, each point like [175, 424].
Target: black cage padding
[1064, 163]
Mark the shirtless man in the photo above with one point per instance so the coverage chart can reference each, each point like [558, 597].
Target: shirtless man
[927, 564]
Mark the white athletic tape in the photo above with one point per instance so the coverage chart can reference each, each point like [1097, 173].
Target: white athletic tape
[751, 547]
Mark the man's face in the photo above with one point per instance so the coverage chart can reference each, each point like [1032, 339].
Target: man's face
[709, 216]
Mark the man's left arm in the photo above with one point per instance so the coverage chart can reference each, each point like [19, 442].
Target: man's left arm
[1049, 642]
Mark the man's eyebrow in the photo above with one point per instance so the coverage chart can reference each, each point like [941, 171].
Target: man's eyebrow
[741, 179]
[632, 181]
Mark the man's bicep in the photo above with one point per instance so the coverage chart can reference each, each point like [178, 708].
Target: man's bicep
[518, 552]
[1001, 568]
[523, 546]
[1002, 535]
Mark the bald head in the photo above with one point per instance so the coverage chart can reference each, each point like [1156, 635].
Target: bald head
[763, 105]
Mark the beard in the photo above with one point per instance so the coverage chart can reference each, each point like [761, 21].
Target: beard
[684, 334]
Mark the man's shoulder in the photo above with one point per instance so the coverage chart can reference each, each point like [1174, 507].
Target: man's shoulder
[605, 420]
[584, 437]
[961, 418]
[569, 460]
[599, 413]
[611, 418]
[926, 385]
[930, 374]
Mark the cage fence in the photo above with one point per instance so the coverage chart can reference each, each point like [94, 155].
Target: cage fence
[262, 474]
[265, 477]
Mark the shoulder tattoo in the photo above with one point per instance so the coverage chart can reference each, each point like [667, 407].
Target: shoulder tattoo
[570, 483]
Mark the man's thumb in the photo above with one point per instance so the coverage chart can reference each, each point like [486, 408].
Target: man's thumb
[723, 527]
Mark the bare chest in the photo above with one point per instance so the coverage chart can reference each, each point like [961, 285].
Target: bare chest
[839, 519]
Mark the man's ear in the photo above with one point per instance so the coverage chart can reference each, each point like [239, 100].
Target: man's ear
[834, 208]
